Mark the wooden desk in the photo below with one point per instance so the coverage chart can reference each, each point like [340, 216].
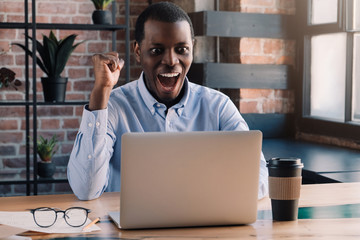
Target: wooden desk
[311, 195]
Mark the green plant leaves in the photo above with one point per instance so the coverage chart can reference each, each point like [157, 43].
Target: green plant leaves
[53, 38]
[46, 148]
[101, 4]
[53, 53]
[50, 48]
[38, 61]
[65, 48]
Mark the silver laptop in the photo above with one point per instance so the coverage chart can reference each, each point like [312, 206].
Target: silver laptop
[188, 179]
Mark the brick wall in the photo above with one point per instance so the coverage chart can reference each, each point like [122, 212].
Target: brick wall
[60, 120]
[64, 120]
[260, 51]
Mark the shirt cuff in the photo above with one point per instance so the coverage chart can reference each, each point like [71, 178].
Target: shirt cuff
[94, 122]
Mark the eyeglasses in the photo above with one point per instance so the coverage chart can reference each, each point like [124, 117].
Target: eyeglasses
[46, 217]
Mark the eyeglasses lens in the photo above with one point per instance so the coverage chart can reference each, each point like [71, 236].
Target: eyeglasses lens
[76, 217]
[45, 217]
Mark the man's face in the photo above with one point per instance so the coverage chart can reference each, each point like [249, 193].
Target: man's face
[165, 55]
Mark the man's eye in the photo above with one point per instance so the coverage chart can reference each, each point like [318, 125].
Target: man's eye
[156, 51]
[182, 50]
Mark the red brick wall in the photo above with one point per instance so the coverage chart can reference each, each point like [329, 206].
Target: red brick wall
[61, 120]
[64, 120]
[260, 51]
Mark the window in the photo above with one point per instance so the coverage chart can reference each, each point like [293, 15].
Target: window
[330, 42]
[324, 11]
[353, 13]
[356, 79]
[328, 71]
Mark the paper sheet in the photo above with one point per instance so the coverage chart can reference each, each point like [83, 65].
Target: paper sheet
[8, 231]
[26, 221]
[16, 237]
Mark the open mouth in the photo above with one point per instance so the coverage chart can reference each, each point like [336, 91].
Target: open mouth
[168, 80]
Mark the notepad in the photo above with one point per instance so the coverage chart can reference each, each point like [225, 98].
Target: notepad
[25, 220]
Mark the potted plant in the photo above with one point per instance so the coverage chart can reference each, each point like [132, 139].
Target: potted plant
[101, 15]
[46, 149]
[7, 78]
[54, 55]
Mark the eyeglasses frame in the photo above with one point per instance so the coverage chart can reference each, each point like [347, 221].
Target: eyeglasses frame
[57, 210]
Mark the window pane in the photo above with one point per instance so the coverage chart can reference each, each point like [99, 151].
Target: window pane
[328, 60]
[356, 14]
[324, 11]
[356, 79]
[353, 15]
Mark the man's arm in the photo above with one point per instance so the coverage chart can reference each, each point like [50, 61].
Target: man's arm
[88, 167]
[107, 69]
[263, 178]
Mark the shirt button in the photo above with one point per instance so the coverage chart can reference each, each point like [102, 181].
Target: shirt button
[97, 124]
[158, 105]
[90, 124]
[89, 156]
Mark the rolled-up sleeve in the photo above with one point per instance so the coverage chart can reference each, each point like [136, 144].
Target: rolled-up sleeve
[88, 168]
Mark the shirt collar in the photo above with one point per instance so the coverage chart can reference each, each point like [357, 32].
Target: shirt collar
[152, 104]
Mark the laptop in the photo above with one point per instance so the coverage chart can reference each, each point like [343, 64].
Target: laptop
[188, 179]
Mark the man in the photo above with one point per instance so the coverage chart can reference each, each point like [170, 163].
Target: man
[162, 99]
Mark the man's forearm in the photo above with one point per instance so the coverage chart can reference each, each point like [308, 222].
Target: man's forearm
[88, 166]
[99, 98]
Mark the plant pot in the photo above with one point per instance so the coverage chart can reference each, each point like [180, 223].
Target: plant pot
[46, 169]
[54, 89]
[101, 17]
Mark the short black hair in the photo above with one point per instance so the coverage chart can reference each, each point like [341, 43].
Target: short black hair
[163, 12]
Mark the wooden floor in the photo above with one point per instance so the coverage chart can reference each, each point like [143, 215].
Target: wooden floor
[322, 163]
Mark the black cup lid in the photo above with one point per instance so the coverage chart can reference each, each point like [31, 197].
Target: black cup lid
[285, 162]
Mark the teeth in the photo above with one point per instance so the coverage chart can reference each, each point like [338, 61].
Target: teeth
[169, 74]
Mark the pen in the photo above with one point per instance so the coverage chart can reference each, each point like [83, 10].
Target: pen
[90, 224]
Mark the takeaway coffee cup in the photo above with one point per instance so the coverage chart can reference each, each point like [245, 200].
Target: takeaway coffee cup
[284, 187]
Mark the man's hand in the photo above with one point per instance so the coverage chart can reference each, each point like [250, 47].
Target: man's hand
[107, 67]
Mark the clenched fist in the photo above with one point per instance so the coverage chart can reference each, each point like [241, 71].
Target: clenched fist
[107, 67]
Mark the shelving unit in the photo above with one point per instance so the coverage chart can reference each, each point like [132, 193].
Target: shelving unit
[238, 24]
[32, 180]
[218, 75]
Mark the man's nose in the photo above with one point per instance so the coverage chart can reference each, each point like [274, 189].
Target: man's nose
[170, 58]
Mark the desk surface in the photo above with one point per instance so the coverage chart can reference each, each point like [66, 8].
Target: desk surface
[311, 196]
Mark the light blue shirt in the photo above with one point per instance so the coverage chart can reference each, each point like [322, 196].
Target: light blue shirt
[94, 165]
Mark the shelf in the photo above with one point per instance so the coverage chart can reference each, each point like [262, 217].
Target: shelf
[14, 103]
[234, 76]
[80, 26]
[12, 25]
[30, 103]
[31, 180]
[38, 181]
[62, 103]
[92, 27]
[239, 24]
[51, 180]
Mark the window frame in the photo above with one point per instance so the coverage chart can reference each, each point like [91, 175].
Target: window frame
[305, 122]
